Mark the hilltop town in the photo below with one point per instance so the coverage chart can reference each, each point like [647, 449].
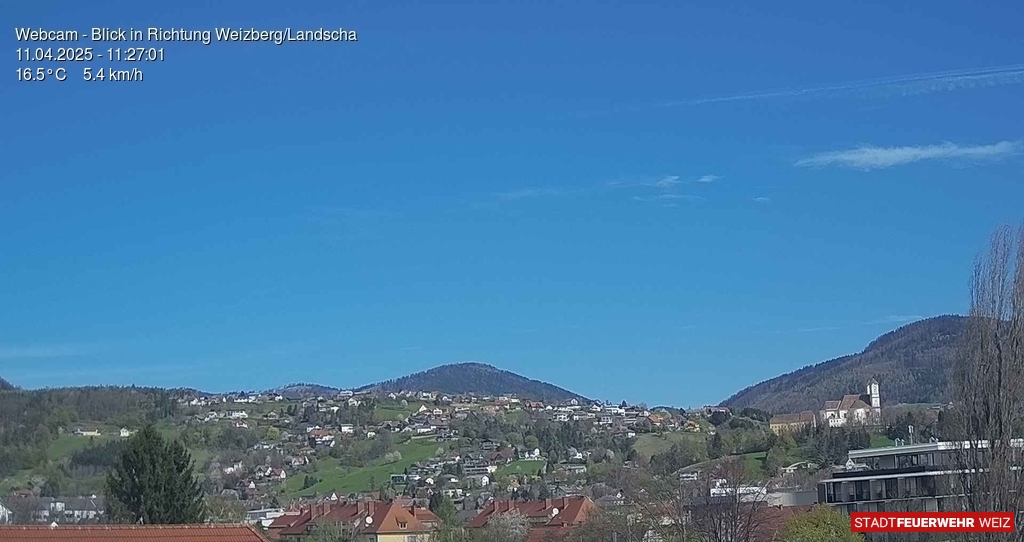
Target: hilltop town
[285, 460]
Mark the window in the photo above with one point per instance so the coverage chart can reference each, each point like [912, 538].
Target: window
[402, 525]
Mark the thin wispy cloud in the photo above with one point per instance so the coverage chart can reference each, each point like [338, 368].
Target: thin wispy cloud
[668, 182]
[869, 158]
[670, 198]
[763, 199]
[903, 85]
[894, 319]
[534, 192]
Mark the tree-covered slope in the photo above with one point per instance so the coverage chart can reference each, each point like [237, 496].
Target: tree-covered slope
[475, 377]
[912, 365]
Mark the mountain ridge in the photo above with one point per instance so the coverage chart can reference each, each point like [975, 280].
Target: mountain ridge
[475, 377]
[912, 364]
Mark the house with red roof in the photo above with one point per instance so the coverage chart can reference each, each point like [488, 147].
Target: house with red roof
[371, 521]
[549, 518]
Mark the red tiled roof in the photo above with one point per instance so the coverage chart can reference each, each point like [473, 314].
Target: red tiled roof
[571, 511]
[385, 518]
[131, 533]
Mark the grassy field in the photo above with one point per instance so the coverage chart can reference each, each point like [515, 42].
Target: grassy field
[524, 466]
[65, 445]
[345, 481]
[390, 411]
[649, 444]
[755, 463]
[881, 441]
[17, 479]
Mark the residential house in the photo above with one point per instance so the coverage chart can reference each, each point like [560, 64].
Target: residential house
[548, 518]
[130, 533]
[472, 466]
[87, 432]
[125, 432]
[270, 473]
[364, 521]
[5, 514]
[322, 437]
[60, 510]
[522, 452]
[502, 457]
[476, 480]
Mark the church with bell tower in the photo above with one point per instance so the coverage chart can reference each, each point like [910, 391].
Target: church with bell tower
[863, 409]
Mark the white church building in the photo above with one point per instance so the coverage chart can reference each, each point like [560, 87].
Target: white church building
[863, 409]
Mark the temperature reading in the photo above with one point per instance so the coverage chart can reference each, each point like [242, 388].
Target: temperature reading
[41, 74]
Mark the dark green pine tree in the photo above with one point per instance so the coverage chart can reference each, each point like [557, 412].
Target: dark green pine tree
[153, 483]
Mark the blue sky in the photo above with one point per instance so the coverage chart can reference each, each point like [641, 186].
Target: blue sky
[651, 202]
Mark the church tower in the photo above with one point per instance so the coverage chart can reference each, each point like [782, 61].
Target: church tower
[876, 401]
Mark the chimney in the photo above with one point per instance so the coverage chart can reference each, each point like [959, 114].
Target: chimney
[547, 503]
[369, 508]
[359, 508]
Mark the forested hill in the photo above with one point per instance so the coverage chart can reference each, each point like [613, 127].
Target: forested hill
[32, 420]
[476, 378]
[912, 365]
[305, 389]
[5, 385]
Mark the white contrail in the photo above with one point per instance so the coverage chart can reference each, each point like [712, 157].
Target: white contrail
[904, 85]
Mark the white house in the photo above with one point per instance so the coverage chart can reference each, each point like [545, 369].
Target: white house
[5, 514]
[125, 432]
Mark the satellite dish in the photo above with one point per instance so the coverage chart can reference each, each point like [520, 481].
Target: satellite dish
[554, 511]
[369, 520]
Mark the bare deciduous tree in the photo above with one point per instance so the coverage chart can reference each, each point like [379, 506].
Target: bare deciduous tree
[621, 523]
[724, 504]
[508, 527]
[730, 505]
[988, 385]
